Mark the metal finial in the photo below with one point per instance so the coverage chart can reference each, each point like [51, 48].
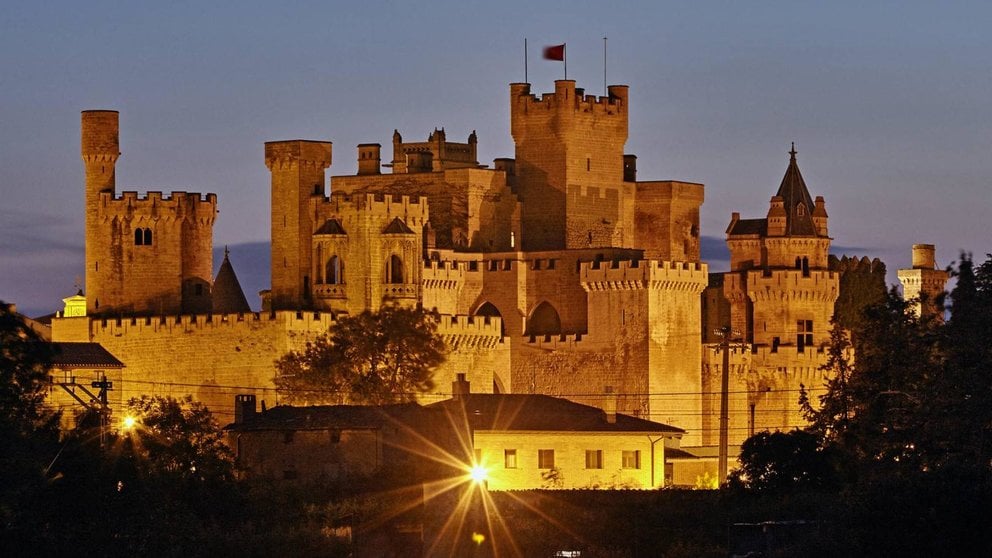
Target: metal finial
[226, 251]
[793, 151]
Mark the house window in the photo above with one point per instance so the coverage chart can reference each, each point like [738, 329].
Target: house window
[804, 334]
[148, 237]
[510, 458]
[546, 459]
[631, 459]
[594, 459]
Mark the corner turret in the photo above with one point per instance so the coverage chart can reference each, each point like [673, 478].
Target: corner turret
[924, 283]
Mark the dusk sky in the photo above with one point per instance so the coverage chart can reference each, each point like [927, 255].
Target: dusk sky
[889, 103]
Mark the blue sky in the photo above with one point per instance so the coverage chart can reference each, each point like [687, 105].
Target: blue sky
[888, 104]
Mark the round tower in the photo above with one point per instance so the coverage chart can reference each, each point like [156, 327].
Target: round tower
[100, 148]
[923, 283]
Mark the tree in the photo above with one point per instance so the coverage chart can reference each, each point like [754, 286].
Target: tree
[373, 358]
[28, 429]
[24, 362]
[178, 438]
[772, 461]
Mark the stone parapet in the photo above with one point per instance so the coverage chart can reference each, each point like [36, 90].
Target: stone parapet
[643, 274]
[178, 206]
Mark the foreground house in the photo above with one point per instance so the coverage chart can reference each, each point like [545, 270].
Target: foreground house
[515, 442]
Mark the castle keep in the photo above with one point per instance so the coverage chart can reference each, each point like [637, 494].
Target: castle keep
[553, 272]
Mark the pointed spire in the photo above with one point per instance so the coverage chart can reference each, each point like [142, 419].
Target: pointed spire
[796, 201]
[228, 298]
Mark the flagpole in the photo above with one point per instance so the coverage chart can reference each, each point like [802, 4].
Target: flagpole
[604, 66]
[525, 60]
[564, 58]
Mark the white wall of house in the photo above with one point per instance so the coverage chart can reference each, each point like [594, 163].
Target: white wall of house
[514, 461]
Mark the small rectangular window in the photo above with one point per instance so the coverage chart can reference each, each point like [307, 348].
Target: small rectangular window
[551, 263]
[631, 459]
[493, 265]
[510, 459]
[594, 459]
[546, 459]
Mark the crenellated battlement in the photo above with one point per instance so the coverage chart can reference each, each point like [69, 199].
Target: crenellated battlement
[376, 203]
[820, 286]
[187, 323]
[642, 274]
[469, 332]
[559, 342]
[569, 97]
[179, 206]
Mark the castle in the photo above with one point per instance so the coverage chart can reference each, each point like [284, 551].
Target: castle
[555, 272]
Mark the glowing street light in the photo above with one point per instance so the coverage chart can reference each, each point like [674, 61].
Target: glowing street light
[128, 423]
[478, 474]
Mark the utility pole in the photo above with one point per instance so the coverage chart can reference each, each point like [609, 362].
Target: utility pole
[102, 405]
[726, 342]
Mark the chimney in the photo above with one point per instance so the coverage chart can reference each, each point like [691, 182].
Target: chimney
[610, 404]
[369, 158]
[629, 168]
[460, 387]
[244, 408]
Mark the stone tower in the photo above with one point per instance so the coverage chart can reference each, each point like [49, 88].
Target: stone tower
[144, 255]
[779, 295]
[779, 287]
[297, 168]
[100, 148]
[923, 282]
[570, 167]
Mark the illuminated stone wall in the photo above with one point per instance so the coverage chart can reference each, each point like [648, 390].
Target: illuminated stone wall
[146, 255]
[216, 357]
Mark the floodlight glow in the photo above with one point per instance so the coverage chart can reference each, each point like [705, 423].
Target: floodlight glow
[479, 474]
[128, 423]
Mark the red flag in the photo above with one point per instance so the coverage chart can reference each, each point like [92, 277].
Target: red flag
[556, 52]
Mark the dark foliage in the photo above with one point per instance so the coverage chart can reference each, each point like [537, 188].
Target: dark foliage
[374, 358]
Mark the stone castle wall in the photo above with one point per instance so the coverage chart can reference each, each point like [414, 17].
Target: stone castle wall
[215, 357]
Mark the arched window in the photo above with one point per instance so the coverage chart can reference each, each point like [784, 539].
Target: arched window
[139, 237]
[490, 311]
[799, 262]
[544, 320]
[148, 237]
[394, 270]
[334, 271]
[805, 266]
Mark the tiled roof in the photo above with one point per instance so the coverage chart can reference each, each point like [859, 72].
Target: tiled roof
[397, 226]
[318, 417]
[331, 226]
[543, 413]
[749, 226]
[83, 355]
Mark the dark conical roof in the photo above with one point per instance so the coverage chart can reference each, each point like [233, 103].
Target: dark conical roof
[796, 200]
[397, 226]
[228, 298]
